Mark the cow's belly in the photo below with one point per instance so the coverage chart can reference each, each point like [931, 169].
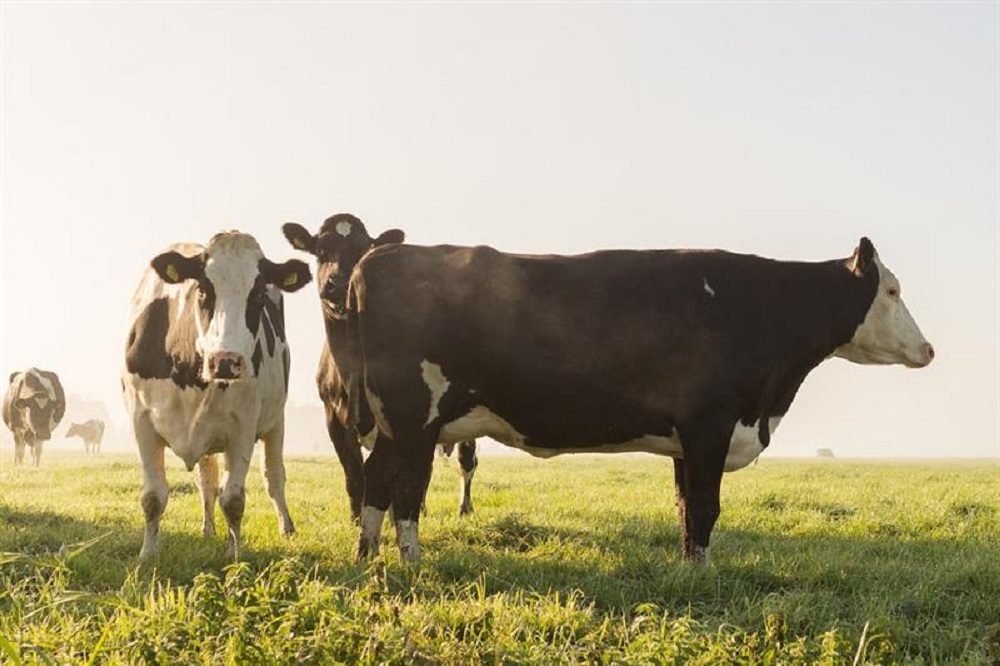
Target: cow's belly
[208, 419]
[744, 446]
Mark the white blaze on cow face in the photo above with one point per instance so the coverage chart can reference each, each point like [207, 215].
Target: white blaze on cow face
[888, 334]
[232, 267]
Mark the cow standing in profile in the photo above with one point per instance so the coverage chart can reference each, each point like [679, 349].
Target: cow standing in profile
[206, 373]
[341, 242]
[33, 406]
[91, 432]
[695, 355]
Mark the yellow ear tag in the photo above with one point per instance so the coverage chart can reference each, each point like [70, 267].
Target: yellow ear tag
[172, 273]
[290, 280]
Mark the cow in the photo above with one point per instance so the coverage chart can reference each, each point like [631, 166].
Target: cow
[338, 246]
[91, 432]
[33, 406]
[695, 355]
[206, 373]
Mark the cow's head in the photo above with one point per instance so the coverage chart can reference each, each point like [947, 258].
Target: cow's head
[73, 429]
[888, 333]
[35, 399]
[338, 247]
[232, 276]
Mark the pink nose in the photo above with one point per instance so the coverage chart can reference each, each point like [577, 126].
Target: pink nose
[226, 366]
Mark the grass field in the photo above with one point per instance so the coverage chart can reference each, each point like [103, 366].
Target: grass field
[568, 560]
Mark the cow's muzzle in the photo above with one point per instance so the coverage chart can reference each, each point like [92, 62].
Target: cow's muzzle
[226, 366]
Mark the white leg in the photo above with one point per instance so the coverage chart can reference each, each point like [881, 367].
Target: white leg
[18, 451]
[154, 483]
[36, 453]
[233, 499]
[407, 538]
[208, 482]
[371, 530]
[272, 468]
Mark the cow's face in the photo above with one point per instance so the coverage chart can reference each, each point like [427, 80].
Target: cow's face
[338, 247]
[888, 333]
[232, 275]
[73, 429]
[35, 403]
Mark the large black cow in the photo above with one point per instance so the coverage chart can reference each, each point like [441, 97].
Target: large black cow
[341, 242]
[33, 406]
[694, 355]
[206, 372]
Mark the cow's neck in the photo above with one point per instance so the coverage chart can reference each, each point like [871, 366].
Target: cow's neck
[843, 302]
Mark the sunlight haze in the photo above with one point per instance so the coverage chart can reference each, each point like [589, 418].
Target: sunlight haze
[782, 130]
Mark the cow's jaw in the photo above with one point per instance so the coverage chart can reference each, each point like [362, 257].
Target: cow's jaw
[888, 335]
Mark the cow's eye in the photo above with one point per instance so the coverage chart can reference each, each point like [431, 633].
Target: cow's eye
[894, 292]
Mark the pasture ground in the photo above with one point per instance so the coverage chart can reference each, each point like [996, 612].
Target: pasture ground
[571, 560]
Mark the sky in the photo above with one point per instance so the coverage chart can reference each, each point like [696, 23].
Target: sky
[787, 130]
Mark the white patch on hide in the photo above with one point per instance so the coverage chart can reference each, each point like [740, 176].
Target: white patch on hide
[707, 287]
[745, 445]
[343, 228]
[378, 411]
[437, 384]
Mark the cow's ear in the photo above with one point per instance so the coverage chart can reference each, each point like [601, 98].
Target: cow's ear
[390, 236]
[299, 237]
[289, 276]
[174, 267]
[864, 257]
[12, 376]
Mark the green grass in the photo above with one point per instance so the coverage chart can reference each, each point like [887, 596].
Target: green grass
[568, 560]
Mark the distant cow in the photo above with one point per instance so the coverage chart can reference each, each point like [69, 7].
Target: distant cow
[694, 355]
[206, 372]
[91, 432]
[341, 242]
[824, 453]
[33, 406]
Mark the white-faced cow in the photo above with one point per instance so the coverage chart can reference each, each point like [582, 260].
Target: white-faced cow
[694, 355]
[91, 432]
[341, 242]
[33, 406]
[206, 372]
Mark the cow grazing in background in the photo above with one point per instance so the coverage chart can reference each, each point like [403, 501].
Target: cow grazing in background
[341, 242]
[33, 406]
[206, 373]
[91, 432]
[694, 355]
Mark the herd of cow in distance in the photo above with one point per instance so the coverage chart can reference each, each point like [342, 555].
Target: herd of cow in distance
[691, 354]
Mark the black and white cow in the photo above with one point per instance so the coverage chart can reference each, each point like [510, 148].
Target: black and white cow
[91, 432]
[694, 355]
[206, 372]
[341, 242]
[33, 406]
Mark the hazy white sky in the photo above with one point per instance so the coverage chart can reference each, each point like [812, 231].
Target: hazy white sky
[784, 130]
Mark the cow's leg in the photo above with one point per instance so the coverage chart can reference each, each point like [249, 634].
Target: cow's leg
[407, 490]
[680, 489]
[468, 461]
[36, 453]
[233, 498]
[272, 468]
[208, 482]
[154, 483]
[345, 443]
[18, 450]
[376, 496]
[705, 448]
